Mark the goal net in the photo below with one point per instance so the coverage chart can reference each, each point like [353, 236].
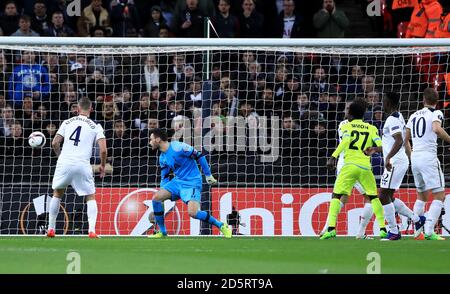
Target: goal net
[265, 115]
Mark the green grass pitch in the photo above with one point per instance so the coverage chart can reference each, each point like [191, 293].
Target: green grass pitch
[218, 255]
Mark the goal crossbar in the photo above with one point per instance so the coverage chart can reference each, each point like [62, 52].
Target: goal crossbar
[170, 45]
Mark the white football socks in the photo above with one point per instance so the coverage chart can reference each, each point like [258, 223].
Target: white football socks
[53, 212]
[419, 207]
[92, 214]
[404, 210]
[366, 215]
[433, 215]
[389, 215]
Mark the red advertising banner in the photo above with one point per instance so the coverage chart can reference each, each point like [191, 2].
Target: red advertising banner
[126, 211]
[263, 211]
[297, 211]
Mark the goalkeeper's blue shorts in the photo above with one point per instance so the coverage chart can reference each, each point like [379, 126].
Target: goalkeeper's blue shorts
[186, 191]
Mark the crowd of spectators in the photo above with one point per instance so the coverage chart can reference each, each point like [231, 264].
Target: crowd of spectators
[174, 18]
[135, 93]
[308, 93]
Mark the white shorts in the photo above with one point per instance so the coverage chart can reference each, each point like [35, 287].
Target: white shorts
[357, 185]
[427, 173]
[79, 176]
[394, 178]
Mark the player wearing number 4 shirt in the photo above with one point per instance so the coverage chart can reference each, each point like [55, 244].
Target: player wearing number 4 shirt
[396, 164]
[356, 137]
[423, 128]
[73, 167]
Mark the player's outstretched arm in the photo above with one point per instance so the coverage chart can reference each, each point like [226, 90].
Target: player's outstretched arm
[437, 128]
[200, 158]
[343, 145]
[56, 144]
[103, 155]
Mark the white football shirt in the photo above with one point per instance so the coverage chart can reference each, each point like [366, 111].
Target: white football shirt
[394, 124]
[80, 134]
[340, 162]
[421, 125]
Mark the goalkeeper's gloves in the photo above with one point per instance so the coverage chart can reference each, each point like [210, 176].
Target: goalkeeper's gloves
[211, 180]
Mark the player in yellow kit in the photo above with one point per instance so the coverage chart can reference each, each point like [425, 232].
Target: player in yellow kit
[357, 136]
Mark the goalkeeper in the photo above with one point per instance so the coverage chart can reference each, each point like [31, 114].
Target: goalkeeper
[357, 136]
[181, 159]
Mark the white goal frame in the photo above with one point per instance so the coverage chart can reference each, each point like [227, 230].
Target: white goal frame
[131, 45]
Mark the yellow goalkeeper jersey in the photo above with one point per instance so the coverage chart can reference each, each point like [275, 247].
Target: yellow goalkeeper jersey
[357, 136]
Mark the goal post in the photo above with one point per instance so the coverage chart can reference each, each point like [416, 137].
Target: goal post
[265, 112]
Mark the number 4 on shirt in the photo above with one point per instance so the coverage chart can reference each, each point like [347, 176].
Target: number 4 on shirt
[75, 137]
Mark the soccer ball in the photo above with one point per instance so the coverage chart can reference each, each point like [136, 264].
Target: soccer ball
[36, 140]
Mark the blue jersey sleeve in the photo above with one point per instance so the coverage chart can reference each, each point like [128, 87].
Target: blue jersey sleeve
[191, 152]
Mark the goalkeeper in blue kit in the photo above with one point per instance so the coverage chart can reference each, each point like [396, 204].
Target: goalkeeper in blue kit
[181, 159]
